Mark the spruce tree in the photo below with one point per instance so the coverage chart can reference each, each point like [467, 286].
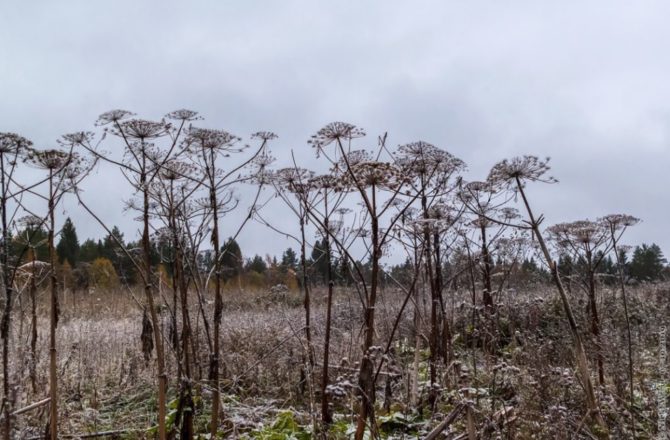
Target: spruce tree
[68, 246]
[647, 263]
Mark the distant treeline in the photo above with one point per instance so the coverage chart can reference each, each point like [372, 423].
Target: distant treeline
[103, 263]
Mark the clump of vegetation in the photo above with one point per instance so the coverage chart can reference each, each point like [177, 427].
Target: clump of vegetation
[417, 304]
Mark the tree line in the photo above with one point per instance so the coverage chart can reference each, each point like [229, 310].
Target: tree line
[102, 263]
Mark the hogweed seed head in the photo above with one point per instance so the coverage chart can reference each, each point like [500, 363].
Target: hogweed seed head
[619, 221]
[326, 182]
[30, 221]
[76, 138]
[351, 159]
[175, 170]
[294, 179]
[263, 159]
[423, 159]
[524, 168]
[584, 233]
[339, 132]
[379, 174]
[208, 139]
[264, 135]
[142, 129]
[113, 116]
[183, 115]
[11, 143]
[335, 131]
[48, 159]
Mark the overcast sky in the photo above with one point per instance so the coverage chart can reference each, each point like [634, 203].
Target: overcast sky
[587, 83]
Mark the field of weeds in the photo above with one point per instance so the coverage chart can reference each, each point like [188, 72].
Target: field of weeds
[517, 383]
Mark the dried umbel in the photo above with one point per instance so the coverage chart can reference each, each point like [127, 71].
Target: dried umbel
[263, 160]
[508, 214]
[335, 131]
[76, 167]
[141, 129]
[294, 179]
[325, 181]
[183, 115]
[334, 228]
[12, 143]
[478, 187]
[525, 168]
[582, 233]
[508, 248]
[377, 174]
[49, 159]
[30, 222]
[352, 158]
[421, 159]
[476, 191]
[208, 139]
[175, 170]
[443, 212]
[166, 235]
[135, 204]
[145, 152]
[76, 138]
[263, 176]
[113, 117]
[619, 221]
[264, 135]
[481, 222]
[430, 225]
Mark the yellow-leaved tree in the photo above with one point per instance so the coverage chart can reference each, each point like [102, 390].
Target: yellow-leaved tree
[103, 275]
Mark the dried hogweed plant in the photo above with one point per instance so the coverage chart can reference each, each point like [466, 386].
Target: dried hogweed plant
[379, 185]
[617, 224]
[432, 175]
[12, 148]
[141, 163]
[513, 175]
[65, 169]
[587, 241]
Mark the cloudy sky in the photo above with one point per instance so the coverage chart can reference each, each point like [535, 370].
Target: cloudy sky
[586, 83]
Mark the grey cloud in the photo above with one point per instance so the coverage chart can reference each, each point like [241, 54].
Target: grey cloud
[584, 83]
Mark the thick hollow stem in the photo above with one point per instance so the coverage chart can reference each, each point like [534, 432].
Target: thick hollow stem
[580, 354]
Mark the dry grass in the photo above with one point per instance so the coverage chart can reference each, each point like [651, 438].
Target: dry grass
[106, 385]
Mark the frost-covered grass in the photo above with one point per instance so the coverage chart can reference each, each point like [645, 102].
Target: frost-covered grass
[522, 387]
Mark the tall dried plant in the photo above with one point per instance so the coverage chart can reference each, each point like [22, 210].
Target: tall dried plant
[513, 175]
[64, 170]
[12, 147]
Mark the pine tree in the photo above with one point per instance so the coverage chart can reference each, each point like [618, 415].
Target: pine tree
[320, 260]
[647, 263]
[231, 259]
[89, 250]
[68, 246]
[256, 264]
[289, 260]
